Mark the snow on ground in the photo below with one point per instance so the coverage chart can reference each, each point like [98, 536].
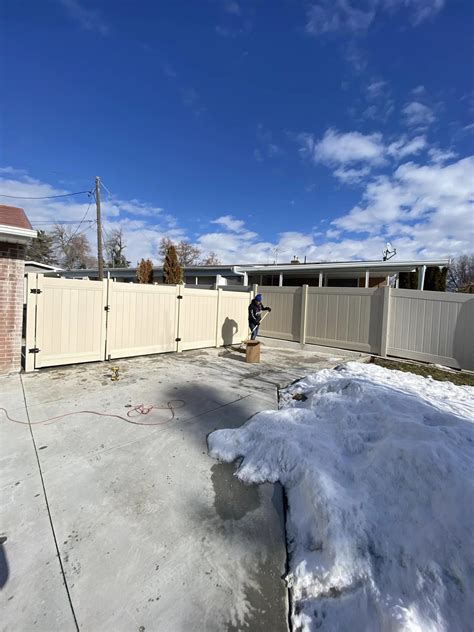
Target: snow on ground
[378, 470]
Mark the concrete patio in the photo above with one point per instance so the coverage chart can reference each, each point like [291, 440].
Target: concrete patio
[107, 525]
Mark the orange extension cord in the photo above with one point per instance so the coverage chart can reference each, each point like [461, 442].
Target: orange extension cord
[135, 411]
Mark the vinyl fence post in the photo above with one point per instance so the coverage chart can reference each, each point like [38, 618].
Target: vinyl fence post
[304, 303]
[254, 290]
[31, 281]
[218, 314]
[385, 320]
[106, 299]
[179, 316]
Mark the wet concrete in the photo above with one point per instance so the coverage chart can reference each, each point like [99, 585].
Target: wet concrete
[152, 534]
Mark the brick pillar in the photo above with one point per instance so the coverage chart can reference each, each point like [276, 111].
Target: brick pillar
[12, 267]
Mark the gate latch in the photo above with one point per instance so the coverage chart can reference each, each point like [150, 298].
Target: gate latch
[34, 350]
[179, 296]
[35, 291]
[107, 308]
[177, 339]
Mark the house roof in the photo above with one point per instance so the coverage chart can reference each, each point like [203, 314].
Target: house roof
[382, 267]
[15, 227]
[14, 216]
[31, 266]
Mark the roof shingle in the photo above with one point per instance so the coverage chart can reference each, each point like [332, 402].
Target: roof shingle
[14, 216]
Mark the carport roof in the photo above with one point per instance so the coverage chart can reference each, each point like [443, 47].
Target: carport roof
[343, 267]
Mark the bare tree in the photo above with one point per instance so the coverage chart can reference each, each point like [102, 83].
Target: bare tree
[187, 253]
[211, 260]
[72, 250]
[461, 274]
[41, 249]
[114, 248]
[145, 271]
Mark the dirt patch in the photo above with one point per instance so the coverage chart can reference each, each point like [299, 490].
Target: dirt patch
[461, 378]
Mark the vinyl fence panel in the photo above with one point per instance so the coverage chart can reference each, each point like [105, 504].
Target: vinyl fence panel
[284, 320]
[348, 318]
[432, 327]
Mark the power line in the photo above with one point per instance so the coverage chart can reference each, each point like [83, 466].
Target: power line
[83, 218]
[111, 197]
[44, 197]
[51, 223]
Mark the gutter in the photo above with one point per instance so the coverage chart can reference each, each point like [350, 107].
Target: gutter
[235, 270]
[15, 235]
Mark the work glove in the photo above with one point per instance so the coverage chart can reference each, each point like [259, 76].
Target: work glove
[268, 309]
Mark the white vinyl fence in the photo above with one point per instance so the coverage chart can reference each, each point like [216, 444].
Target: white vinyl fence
[419, 325]
[432, 327]
[72, 320]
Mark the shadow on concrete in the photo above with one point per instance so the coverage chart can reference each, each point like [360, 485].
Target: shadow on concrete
[252, 516]
[233, 354]
[237, 517]
[4, 570]
[228, 493]
[208, 408]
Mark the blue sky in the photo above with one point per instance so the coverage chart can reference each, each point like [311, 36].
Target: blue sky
[322, 129]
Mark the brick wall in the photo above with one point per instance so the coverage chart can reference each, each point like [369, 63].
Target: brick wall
[12, 265]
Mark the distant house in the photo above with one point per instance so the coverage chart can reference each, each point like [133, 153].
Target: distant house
[323, 274]
[44, 268]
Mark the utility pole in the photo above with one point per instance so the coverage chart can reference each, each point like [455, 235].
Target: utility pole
[100, 259]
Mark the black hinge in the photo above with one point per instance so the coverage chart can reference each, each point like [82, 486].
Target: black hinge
[177, 339]
[34, 350]
[107, 308]
[35, 291]
[179, 296]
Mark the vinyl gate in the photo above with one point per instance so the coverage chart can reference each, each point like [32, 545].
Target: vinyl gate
[70, 321]
[65, 321]
[141, 319]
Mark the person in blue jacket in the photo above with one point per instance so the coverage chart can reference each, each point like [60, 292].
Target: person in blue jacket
[256, 309]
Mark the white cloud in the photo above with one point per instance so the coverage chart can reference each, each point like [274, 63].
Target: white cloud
[229, 222]
[418, 115]
[89, 19]
[376, 89]
[440, 156]
[420, 10]
[405, 147]
[351, 16]
[419, 91]
[350, 175]
[338, 148]
[338, 15]
[354, 155]
[426, 208]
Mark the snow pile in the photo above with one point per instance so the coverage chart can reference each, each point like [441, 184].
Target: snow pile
[378, 469]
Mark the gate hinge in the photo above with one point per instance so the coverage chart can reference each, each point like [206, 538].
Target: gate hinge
[107, 308]
[179, 296]
[34, 350]
[177, 339]
[35, 291]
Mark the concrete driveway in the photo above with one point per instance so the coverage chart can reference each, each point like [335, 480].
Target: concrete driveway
[106, 525]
